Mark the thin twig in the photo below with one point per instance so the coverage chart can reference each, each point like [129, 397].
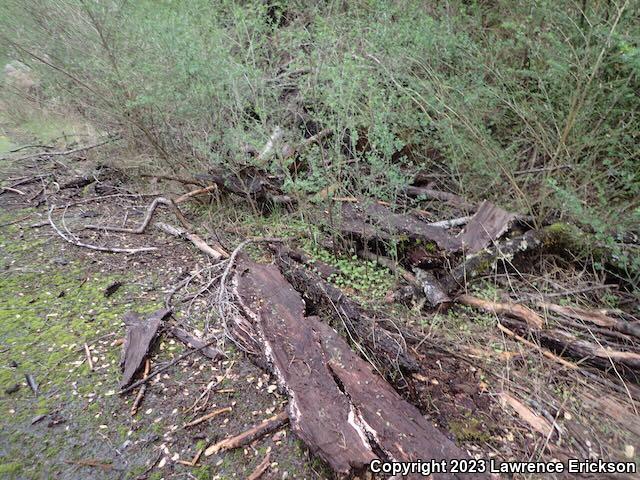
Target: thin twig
[79, 243]
[67, 152]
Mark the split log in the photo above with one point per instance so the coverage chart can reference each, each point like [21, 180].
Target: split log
[382, 343]
[140, 334]
[195, 342]
[245, 438]
[345, 413]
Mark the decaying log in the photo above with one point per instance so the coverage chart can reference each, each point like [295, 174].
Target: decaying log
[338, 405]
[195, 342]
[489, 223]
[479, 263]
[216, 252]
[395, 224]
[140, 334]
[245, 438]
[514, 310]
[335, 304]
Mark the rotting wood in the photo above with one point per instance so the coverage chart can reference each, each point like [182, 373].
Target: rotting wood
[338, 405]
[431, 287]
[477, 264]
[514, 310]
[393, 426]
[567, 344]
[489, 223]
[139, 336]
[318, 410]
[257, 431]
[388, 347]
[195, 342]
[395, 224]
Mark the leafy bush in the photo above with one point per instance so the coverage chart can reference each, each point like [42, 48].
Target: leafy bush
[531, 104]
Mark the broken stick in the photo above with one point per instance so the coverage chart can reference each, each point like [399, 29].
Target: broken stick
[143, 389]
[266, 426]
[208, 416]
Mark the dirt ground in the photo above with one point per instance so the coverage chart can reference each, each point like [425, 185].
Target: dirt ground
[53, 304]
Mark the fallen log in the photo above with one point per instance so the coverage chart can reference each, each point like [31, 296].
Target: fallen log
[338, 405]
[140, 334]
[245, 438]
[382, 343]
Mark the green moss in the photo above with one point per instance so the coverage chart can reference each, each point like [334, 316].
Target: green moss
[10, 470]
[469, 429]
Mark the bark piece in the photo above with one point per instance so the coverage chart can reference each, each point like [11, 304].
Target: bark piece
[138, 339]
[195, 342]
[446, 197]
[538, 423]
[489, 223]
[318, 410]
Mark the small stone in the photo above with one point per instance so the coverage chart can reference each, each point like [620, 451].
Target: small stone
[629, 451]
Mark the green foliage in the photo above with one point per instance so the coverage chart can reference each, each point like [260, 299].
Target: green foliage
[531, 104]
[362, 277]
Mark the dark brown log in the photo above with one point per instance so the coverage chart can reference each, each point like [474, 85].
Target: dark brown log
[336, 305]
[338, 405]
[194, 342]
[395, 224]
[318, 410]
[488, 224]
[138, 339]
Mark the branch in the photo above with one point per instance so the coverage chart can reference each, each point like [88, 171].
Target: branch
[78, 243]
